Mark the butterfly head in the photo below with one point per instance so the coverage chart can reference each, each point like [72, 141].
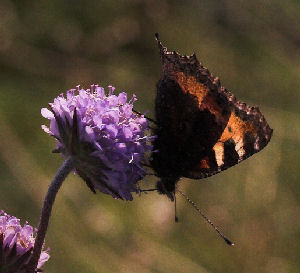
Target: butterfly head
[167, 186]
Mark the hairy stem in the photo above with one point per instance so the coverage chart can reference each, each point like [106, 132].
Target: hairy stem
[56, 183]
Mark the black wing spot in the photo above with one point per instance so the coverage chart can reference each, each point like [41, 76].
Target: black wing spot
[231, 156]
[249, 141]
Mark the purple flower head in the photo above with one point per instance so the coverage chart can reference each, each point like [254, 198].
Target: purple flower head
[16, 244]
[105, 138]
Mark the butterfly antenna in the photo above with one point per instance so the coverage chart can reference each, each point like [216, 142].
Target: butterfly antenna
[175, 208]
[148, 190]
[206, 219]
[139, 113]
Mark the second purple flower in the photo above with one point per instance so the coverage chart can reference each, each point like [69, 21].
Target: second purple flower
[16, 244]
[105, 138]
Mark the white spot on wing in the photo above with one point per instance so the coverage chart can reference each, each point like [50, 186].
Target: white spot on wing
[219, 153]
[239, 147]
[256, 144]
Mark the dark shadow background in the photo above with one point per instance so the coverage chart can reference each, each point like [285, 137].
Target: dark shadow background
[47, 47]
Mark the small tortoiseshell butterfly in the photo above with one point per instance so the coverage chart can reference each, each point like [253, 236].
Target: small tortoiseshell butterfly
[202, 128]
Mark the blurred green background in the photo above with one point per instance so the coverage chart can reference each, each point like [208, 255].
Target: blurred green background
[47, 47]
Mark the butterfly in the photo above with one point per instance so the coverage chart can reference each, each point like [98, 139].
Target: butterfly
[202, 129]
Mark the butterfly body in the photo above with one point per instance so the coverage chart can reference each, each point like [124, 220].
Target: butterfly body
[202, 128]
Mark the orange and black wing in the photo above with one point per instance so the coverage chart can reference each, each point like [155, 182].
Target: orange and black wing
[203, 129]
[245, 134]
